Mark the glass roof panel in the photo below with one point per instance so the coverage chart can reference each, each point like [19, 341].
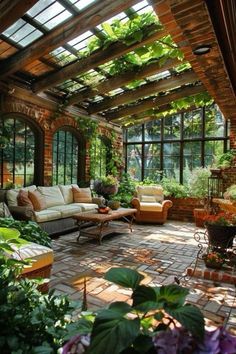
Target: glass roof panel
[30, 38]
[121, 17]
[81, 4]
[116, 91]
[58, 19]
[76, 41]
[39, 7]
[158, 76]
[22, 33]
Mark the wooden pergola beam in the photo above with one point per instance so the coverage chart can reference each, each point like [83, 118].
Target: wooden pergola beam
[97, 58]
[11, 11]
[84, 21]
[122, 79]
[155, 102]
[143, 91]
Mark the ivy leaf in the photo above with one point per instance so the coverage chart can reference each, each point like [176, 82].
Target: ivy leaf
[109, 31]
[143, 294]
[126, 277]
[191, 318]
[112, 332]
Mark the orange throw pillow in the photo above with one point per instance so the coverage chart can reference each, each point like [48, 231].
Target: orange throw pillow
[82, 195]
[38, 200]
[23, 199]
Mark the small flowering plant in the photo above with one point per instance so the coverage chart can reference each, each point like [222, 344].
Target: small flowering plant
[214, 258]
[221, 219]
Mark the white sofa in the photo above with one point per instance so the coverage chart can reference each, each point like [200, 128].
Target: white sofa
[56, 217]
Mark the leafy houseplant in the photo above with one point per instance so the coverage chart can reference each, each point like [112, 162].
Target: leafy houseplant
[225, 160]
[157, 321]
[30, 322]
[230, 193]
[29, 230]
[106, 186]
[172, 188]
[214, 260]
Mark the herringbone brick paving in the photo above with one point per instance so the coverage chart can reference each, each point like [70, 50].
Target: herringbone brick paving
[161, 253]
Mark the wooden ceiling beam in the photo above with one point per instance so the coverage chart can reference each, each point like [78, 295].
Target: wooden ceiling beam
[84, 21]
[143, 91]
[150, 103]
[122, 79]
[97, 58]
[11, 11]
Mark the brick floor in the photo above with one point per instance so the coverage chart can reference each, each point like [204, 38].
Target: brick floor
[161, 253]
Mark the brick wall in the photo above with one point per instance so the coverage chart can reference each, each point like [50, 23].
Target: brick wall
[182, 208]
[44, 119]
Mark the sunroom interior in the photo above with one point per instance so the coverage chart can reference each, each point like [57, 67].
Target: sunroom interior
[90, 88]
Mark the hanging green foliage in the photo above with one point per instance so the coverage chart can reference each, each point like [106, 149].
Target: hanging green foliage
[88, 127]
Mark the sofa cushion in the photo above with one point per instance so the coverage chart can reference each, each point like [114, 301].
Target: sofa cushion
[47, 215]
[13, 193]
[4, 211]
[87, 206]
[37, 200]
[41, 256]
[23, 199]
[148, 198]
[67, 210]
[156, 191]
[150, 206]
[82, 195]
[53, 196]
[67, 193]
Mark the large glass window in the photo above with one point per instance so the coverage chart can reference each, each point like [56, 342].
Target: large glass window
[175, 145]
[17, 153]
[65, 158]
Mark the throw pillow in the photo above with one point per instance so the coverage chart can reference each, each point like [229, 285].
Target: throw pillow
[38, 200]
[148, 199]
[4, 211]
[23, 199]
[82, 195]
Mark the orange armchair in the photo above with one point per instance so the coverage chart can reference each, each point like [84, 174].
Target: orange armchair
[150, 204]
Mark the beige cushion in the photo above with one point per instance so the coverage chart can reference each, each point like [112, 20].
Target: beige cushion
[67, 193]
[67, 210]
[150, 206]
[23, 199]
[82, 195]
[52, 195]
[147, 198]
[40, 255]
[13, 193]
[47, 215]
[37, 199]
[156, 191]
[87, 206]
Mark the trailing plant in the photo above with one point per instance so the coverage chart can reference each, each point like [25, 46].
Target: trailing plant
[88, 127]
[157, 320]
[29, 230]
[115, 163]
[172, 188]
[230, 193]
[30, 322]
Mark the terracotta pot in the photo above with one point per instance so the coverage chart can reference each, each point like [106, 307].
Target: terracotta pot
[199, 215]
[213, 265]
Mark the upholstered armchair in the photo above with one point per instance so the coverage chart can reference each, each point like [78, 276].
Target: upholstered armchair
[150, 204]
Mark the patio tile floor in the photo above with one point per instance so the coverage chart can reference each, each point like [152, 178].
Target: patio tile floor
[161, 253]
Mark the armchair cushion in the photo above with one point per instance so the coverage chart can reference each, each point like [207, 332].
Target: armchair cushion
[150, 206]
[148, 199]
[154, 191]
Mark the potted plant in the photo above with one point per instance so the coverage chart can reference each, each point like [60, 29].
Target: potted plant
[230, 193]
[157, 320]
[106, 186]
[224, 160]
[214, 260]
[221, 229]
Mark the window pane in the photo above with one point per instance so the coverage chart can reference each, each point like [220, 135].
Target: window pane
[65, 158]
[98, 158]
[134, 133]
[152, 161]
[191, 158]
[171, 158]
[134, 158]
[17, 157]
[172, 127]
[214, 125]
[212, 149]
[153, 130]
[192, 124]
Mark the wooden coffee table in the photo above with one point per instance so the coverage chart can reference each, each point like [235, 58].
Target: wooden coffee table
[103, 225]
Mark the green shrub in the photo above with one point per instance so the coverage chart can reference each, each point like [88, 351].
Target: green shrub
[126, 190]
[198, 182]
[172, 188]
[225, 160]
[29, 230]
